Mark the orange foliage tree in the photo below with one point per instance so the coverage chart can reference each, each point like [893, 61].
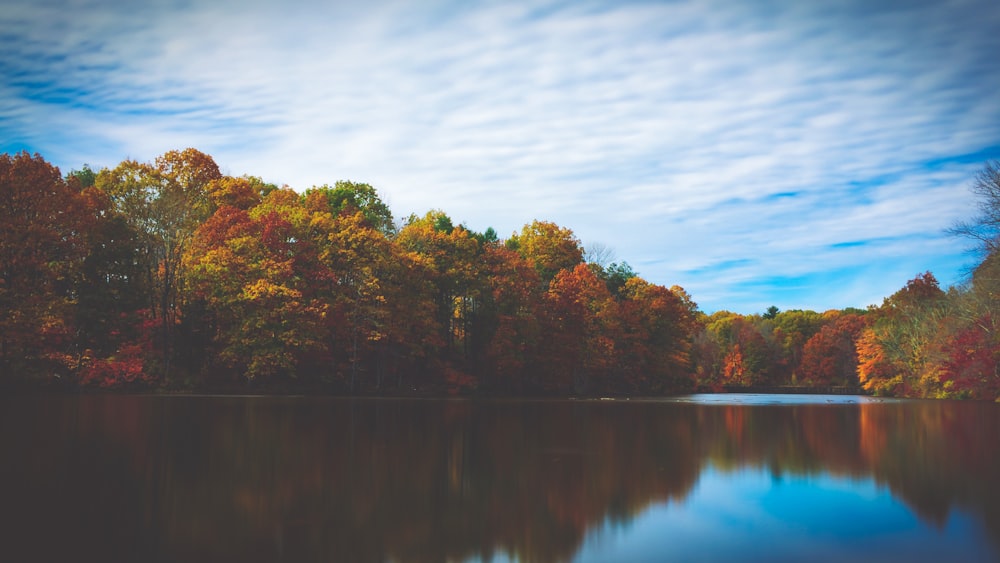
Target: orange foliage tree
[257, 274]
[508, 319]
[657, 325]
[581, 323]
[42, 220]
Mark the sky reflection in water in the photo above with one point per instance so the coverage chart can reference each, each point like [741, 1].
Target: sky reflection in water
[750, 514]
[734, 477]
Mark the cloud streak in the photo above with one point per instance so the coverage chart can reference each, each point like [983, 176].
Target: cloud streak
[685, 135]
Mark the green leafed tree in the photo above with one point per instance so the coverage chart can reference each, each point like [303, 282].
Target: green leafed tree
[352, 197]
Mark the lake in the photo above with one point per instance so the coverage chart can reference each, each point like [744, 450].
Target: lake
[697, 478]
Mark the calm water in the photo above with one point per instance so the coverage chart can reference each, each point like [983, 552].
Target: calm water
[723, 477]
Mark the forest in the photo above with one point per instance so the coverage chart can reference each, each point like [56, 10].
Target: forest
[171, 276]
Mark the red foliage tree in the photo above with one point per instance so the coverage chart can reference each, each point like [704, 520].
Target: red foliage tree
[582, 327]
[972, 367]
[42, 220]
[830, 357]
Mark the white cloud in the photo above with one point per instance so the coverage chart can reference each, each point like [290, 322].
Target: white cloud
[660, 130]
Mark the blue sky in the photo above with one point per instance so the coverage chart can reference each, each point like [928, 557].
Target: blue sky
[800, 154]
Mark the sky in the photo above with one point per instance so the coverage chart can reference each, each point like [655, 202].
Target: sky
[806, 155]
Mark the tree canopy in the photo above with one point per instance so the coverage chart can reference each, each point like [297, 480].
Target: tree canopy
[171, 274]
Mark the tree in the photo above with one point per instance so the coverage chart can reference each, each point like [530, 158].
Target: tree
[41, 247]
[581, 323]
[452, 258]
[365, 297]
[487, 237]
[896, 353]
[971, 367]
[165, 202]
[112, 289]
[84, 178]
[508, 319]
[599, 254]
[917, 295]
[243, 192]
[972, 344]
[352, 197]
[616, 276]
[984, 228]
[792, 329]
[746, 357]
[878, 371]
[257, 273]
[830, 357]
[658, 325]
[549, 247]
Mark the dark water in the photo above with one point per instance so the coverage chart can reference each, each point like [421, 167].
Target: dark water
[734, 477]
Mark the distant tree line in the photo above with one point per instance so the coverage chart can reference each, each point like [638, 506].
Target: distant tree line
[172, 275]
[922, 341]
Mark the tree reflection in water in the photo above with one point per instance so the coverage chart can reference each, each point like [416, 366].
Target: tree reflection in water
[263, 479]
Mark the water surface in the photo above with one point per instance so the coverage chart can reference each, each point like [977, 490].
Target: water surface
[705, 477]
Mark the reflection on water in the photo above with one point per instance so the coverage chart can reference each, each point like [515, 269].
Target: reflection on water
[262, 479]
[750, 514]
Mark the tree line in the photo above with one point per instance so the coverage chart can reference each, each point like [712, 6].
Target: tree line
[170, 274]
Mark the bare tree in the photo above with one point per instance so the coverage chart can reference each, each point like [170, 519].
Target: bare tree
[984, 228]
[599, 254]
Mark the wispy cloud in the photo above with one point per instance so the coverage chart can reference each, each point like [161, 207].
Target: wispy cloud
[814, 150]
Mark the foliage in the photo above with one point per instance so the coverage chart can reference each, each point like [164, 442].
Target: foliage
[164, 203]
[830, 356]
[126, 365]
[170, 273]
[352, 197]
[42, 219]
[549, 247]
[256, 272]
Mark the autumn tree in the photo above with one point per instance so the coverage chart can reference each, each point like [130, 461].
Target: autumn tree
[893, 352]
[746, 357]
[658, 326]
[41, 248]
[165, 202]
[242, 192]
[258, 272]
[410, 342]
[508, 319]
[972, 367]
[382, 304]
[706, 357]
[451, 255]
[581, 323]
[830, 356]
[969, 355]
[549, 247]
[791, 330]
[111, 295]
[170, 272]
